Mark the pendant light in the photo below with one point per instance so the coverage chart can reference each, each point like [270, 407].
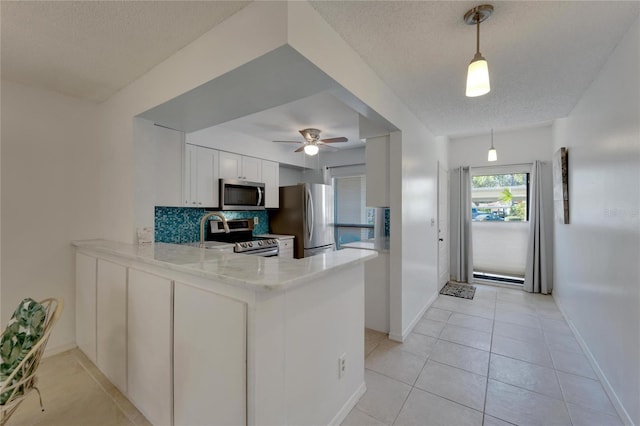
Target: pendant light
[478, 72]
[311, 149]
[493, 154]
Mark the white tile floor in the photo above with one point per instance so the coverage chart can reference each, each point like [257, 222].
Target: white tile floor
[505, 357]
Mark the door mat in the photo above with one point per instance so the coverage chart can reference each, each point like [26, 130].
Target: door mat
[465, 291]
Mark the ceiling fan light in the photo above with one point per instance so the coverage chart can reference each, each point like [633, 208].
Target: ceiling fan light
[478, 77]
[311, 149]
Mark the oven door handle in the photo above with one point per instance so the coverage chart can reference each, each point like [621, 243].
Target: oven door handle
[263, 253]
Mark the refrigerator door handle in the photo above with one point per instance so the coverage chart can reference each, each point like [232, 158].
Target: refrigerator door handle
[310, 217]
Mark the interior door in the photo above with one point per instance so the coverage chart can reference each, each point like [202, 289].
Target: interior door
[443, 226]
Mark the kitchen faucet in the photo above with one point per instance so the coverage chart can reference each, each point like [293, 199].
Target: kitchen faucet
[203, 221]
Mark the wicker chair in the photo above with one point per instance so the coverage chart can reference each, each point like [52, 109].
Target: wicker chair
[26, 369]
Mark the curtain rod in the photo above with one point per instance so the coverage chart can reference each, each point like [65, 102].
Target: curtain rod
[345, 165]
[500, 165]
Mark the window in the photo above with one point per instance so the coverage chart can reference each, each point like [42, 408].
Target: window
[499, 212]
[353, 220]
[500, 197]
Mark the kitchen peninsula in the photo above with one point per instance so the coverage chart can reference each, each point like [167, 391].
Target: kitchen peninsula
[203, 336]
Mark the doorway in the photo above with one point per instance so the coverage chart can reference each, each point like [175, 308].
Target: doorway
[443, 226]
[499, 215]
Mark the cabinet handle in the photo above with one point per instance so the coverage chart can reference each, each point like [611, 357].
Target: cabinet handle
[200, 203]
[193, 202]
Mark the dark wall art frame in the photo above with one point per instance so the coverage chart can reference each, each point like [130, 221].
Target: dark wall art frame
[561, 186]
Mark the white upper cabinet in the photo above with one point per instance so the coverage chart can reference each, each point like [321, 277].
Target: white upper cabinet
[271, 179]
[235, 166]
[230, 165]
[201, 176]
[377, 158]
[252, 169]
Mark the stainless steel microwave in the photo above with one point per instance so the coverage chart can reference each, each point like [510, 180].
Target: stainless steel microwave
[241, 195]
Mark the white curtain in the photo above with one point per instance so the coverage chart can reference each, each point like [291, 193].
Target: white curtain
[461, 242]
[537, 272]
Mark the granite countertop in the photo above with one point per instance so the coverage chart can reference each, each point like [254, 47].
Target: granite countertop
[253, 272]
[211, 245]
[369, 245]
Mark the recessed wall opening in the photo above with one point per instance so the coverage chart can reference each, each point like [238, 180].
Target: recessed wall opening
[500, 224]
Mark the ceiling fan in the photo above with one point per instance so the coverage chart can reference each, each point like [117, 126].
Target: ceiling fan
[313, 142]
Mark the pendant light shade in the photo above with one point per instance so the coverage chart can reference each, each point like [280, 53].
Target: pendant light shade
[478, 72]
[311, 149]
[493, 154]
[478, 77]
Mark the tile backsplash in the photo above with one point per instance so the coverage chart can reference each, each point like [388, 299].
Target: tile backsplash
[179, 225]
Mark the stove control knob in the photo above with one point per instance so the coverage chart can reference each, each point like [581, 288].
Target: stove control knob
[259, 243]
[272, 241]
[237, 247]
[244, 245]
[250, 244]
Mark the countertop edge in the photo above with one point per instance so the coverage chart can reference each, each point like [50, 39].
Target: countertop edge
[301, 270]
[365, 245]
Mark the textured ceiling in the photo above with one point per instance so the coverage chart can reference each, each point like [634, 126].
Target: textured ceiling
[542, 55]
[321, 111]
[91, 49]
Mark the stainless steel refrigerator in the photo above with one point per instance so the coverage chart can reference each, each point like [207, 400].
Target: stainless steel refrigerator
[306, 212]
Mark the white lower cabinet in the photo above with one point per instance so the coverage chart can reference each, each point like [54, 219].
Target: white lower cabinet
[376, 293]
[179, 353]
[286, 247]
[149, 345]
[86, 304]
[111, 318]
[209, 358]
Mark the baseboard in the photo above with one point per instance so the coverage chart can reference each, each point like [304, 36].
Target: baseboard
[348, 406]
[624, 415]
[55, 350]
[409, 329]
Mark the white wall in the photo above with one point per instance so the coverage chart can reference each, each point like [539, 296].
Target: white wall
[49, 197]
[208, 57]
[597, 277]
[218, 137]
[158, 172]
[413, 165]
[290, 176]
[258, 29]
[513, 146]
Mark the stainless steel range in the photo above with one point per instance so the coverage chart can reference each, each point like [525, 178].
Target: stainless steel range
[241, 235]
